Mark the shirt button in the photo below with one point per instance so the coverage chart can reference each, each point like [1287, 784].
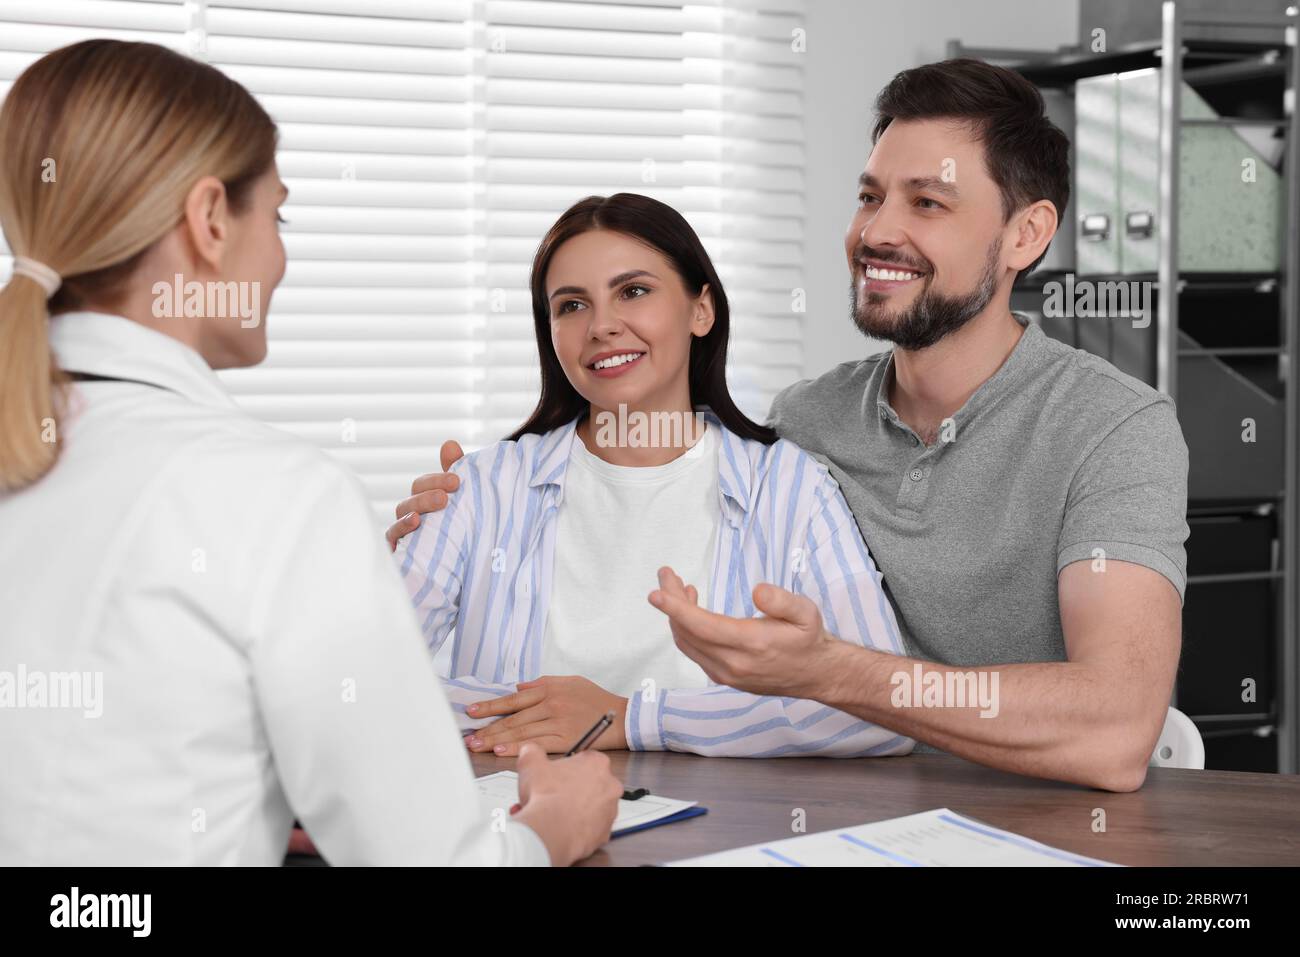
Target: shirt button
[916, 475]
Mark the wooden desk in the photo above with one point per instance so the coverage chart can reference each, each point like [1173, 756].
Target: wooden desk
[1185, 818]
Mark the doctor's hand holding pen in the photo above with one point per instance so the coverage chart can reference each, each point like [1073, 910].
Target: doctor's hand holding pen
[570, 802]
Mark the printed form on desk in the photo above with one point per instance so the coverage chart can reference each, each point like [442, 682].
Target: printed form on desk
[938, 838]
[501, 791]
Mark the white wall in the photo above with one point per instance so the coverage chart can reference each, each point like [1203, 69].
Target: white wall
[854, 48]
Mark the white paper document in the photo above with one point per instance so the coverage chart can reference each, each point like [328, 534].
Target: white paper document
[501, 790]
[939, 838]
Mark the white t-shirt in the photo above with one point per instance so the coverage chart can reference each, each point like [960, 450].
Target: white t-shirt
[615, 528]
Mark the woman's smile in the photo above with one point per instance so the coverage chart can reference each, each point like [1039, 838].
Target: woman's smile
[607, 365]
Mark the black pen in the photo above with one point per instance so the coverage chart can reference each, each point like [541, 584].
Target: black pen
[588, 739]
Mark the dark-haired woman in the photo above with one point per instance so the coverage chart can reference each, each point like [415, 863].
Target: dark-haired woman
[635, 458]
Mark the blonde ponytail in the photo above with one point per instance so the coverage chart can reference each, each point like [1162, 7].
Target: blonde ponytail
[29, 432]
[101, 142]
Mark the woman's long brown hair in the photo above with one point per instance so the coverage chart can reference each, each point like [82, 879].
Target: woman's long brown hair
[661, 227]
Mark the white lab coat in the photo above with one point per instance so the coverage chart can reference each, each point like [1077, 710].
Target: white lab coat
[259, 656]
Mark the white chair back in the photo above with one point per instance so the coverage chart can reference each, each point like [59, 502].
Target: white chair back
[1180, 744]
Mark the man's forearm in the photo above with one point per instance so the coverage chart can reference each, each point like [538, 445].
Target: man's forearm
[1063, 720]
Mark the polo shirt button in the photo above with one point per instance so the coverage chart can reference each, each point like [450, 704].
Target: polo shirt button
[916, 475]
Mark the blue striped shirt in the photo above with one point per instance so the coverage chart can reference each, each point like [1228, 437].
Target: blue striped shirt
[479, 571]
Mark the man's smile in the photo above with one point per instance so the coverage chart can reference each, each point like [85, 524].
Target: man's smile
[878, 276]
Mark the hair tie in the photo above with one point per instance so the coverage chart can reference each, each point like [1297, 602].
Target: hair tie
[39, 273]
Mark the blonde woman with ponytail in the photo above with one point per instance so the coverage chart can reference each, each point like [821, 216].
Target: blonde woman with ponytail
[201, 636]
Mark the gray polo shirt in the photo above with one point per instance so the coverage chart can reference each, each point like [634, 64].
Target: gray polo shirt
[1057, 454]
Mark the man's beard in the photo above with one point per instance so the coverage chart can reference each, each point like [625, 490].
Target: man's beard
[931, 317]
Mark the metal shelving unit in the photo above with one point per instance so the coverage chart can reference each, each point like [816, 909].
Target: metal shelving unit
[1202, 59]
[1173, 52]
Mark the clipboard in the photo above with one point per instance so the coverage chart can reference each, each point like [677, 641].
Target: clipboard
[501, 790]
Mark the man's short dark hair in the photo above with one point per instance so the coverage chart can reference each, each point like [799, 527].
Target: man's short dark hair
[1026, 153]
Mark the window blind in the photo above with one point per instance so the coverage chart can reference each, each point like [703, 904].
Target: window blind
[429, 144]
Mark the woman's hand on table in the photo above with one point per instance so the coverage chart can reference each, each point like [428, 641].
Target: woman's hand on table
[552, 712]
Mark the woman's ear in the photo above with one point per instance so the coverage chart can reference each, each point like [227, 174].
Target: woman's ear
[702, 313]
[207, 225]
